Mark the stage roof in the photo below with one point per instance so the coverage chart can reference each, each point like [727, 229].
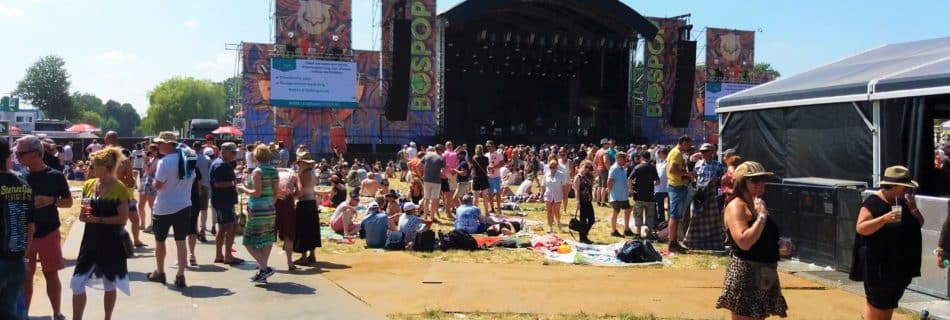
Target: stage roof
[908, 69]
[616, 13]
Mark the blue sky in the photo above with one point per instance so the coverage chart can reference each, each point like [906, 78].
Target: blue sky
[121, 49]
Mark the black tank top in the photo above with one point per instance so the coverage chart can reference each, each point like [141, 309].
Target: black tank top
[765, 249]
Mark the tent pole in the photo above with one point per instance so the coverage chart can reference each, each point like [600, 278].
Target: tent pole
[876, 142]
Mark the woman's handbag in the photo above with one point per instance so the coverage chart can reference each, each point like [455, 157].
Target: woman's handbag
[575, 223]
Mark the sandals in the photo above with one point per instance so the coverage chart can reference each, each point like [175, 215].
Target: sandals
[193, 261]
[234, 262]
[139, 244]
[154, 276]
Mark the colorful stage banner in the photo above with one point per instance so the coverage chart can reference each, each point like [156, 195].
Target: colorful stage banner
[319, 24]
[660, 62]
[730, 55]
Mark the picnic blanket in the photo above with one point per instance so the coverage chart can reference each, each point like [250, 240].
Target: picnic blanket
[601, 255]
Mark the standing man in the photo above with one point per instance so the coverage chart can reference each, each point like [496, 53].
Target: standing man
[283, 154]
[432, 165]
[705, 230]
[619, 195]
[601, 164]
[68, 154]
[172, 206]
[50, 191]
[660, 191]
[678, 178]
[411, 151]
[16, 226]
[203, 165]
[495, 162]
[645, 179]
[93, 147]
[450, 183]
[223, 198]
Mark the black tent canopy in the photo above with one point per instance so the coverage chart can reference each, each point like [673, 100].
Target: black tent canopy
[848, 119]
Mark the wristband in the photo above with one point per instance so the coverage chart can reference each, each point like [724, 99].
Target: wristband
[762, 217]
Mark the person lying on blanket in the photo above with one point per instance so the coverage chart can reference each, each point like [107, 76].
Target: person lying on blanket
[503, 228]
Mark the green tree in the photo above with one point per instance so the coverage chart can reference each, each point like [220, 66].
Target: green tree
[46, 85]
[232, 93]
[85, 102]
[177, 100]
[124, 115]
[766, 69]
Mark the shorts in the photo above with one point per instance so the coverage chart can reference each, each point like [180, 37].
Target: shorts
[601, 179]
[444, 186]
[678, 203]
[49, 252]
[620, 205]
[885, 296]
[133, 205]
[202, 198]
[647, 208]
[453, 182]
[463, 188]
[430, 190]
[178, 220]
[145, 186]
[225, 216]
[494, 185]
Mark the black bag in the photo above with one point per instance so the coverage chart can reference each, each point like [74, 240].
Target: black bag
[575, 223]
[700, 195]
[425, 241]
[637, 251]
[395, 241]
[127, 243]
[457, 239]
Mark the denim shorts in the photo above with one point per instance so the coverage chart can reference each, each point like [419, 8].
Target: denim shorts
[678, 201]
[494, 185]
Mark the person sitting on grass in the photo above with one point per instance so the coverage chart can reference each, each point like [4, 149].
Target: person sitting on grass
[342, 220]
[374, 227]
[504, 228]
[410, 223]
[470, 218]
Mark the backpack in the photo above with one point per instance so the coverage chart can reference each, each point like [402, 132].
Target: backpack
[638, 251]
[425, 241]
[457, 239]
[127, 243]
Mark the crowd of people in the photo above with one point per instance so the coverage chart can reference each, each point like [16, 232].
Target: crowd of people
[710, 197]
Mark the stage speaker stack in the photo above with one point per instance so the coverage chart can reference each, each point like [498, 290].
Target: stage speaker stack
[682, 104]
[397, 105]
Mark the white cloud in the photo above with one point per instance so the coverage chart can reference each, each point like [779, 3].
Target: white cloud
[116, 56]
[11, 12]
[218, 68]
[192, 24]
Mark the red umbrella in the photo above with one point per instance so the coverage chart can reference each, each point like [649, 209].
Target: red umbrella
[82, 127]
[228, 130]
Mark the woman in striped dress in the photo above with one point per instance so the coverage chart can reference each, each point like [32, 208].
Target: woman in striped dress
[260, 231]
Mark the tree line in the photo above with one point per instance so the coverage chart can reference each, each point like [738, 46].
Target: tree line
[46, 86]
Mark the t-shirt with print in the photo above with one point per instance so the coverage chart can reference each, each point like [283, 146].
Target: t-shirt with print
[175, 194]
[222, 197]
[16, 212]
[675, 158]
[52, 183]
[463, 166]
[495, 159]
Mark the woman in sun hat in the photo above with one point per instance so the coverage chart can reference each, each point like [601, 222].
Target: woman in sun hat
[307, 212]
[751, 288]
[888, 243]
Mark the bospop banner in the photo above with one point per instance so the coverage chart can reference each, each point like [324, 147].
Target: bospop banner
[730, 55]
[716, 90]
[660, 63]
[313, 83]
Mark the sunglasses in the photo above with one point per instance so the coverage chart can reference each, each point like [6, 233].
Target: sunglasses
[20, 154]
[757, 179]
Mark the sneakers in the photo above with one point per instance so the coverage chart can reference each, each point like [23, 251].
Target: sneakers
[616, 234]
[59, 317]
[262, 275]
[628, 233]
[676, 247]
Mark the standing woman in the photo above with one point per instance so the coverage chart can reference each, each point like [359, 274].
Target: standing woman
[552, 185]
[259, 232]
[480, 176]
[888, 243]
[308, 214]
[583, 191]
[567, 165]
[751, 289]
[105, 210]
[146, 189]
[286, 221]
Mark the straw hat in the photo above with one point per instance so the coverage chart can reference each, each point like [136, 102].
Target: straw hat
[166, 137]
[748, 170]
[898, 176]
[305, 157]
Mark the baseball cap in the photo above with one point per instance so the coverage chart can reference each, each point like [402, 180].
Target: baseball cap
[373, 205]
[409, 206]
[604, 141]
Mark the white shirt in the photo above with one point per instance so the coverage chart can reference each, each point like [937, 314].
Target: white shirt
[138, 159]
[175, 194]
[524, 187]
[68, 153]
[93, 147]
[553, 182]
[249, 160]
[204, 167]
[661, 170]
[411, 152]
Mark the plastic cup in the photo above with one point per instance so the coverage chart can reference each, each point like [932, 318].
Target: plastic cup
[899, 210]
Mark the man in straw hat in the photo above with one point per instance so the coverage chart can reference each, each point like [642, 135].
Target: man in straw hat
[172, 207]
[223, 198]
[888, 238]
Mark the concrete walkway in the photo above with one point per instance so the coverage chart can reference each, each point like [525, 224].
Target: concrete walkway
[215, 291]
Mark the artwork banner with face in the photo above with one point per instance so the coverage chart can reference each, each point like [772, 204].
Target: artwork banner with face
[730, 54]
[319, 24]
